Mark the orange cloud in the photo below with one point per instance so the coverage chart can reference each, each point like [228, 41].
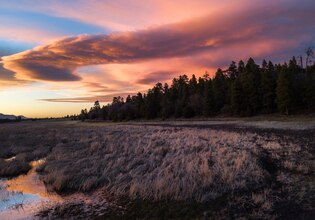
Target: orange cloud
[104, 98]
[8, 79]
[122, 15]
[203, 42]
[154, 77]
[27, 34]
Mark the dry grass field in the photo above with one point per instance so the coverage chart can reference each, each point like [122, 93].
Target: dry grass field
[199, 170]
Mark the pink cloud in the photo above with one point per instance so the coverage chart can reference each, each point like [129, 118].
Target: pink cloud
[122, 15]
[132, 60]
[104, 98]
[27, 34]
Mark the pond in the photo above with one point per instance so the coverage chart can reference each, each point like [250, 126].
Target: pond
[23, 196]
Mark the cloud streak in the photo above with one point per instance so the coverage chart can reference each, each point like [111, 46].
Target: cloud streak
[104, 98]
[158, 76]
[8, 79]
[257, 30]
[122, 15]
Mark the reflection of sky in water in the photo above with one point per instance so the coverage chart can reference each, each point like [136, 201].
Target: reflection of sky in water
[21, 196]
[14, 199]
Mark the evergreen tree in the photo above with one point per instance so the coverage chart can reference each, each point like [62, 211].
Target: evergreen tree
[167, 106]
[309, 88]
[237, 98]
[243, 90]
[181, 91]
[251, 85]
[193, 85]
[209, 103]
[232, 71]
[284, 91]
[268, 87]
[219, 90]
[153, 101]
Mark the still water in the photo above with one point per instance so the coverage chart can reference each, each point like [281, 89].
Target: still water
[23, 196]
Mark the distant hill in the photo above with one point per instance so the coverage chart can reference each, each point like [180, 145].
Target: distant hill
[11, 117]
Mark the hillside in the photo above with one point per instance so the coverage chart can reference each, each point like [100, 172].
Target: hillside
[11, 117]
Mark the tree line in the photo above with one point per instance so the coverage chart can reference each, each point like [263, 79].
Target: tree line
[243, 89]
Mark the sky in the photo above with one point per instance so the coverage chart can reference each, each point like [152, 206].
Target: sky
[57, 57]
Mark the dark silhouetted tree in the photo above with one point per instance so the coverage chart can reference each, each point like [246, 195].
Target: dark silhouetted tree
[219, 88]
[240, 90]
[237, 99]
[268, 87]
[284, 91]
[209, 106]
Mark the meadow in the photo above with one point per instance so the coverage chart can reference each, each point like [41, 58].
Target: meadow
[153, 170]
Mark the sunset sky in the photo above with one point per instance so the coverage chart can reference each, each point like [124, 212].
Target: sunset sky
[58, 57]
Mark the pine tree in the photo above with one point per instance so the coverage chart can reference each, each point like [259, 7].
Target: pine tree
[232, 71]
[153, 101]
[251, 84]
[268, 87]
[240, 90]
[192, 84]
[237, 98]
[166, 105]
[284, 91]
[209, 106]
[180, 87]
[309, 88]
[219, 90]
